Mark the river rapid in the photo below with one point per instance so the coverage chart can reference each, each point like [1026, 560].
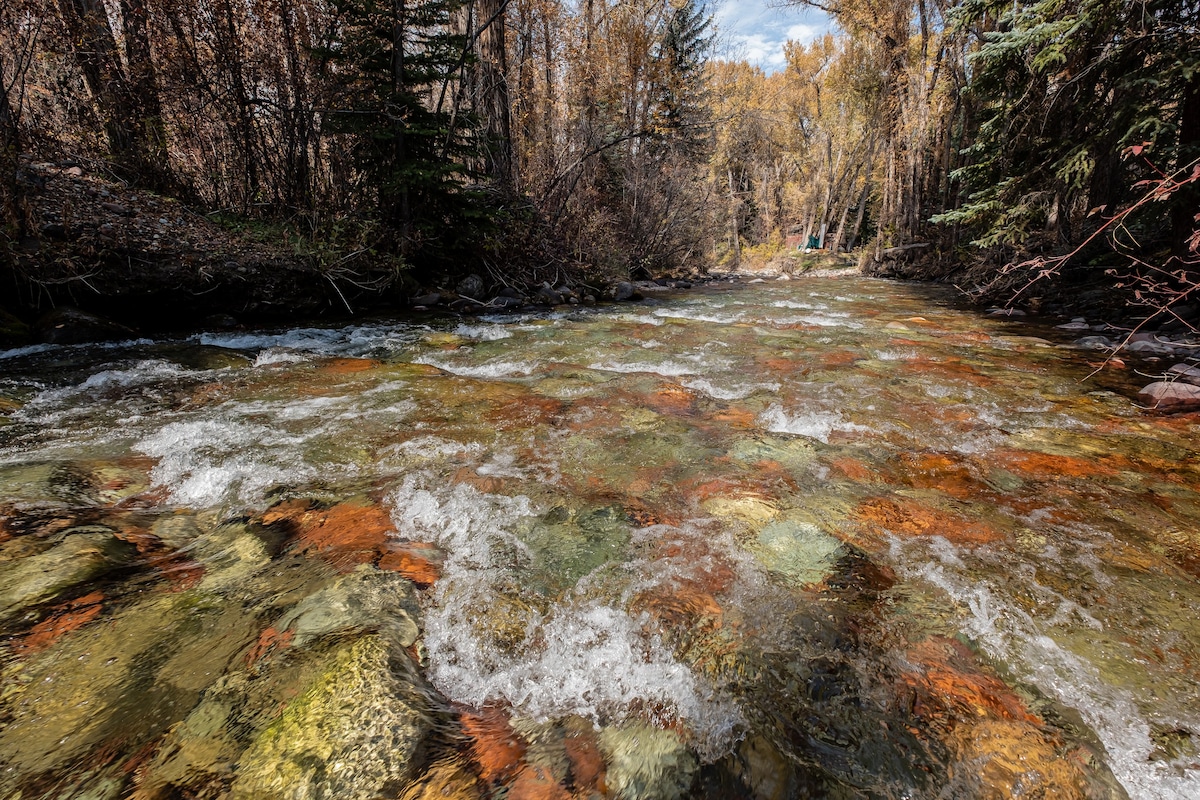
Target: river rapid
[819, 538]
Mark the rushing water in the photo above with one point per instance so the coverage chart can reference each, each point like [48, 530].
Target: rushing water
[825, 538]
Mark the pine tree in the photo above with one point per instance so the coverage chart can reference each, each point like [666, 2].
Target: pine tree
[395, 58]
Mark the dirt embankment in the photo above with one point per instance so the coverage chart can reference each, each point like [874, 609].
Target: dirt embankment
[150, 262]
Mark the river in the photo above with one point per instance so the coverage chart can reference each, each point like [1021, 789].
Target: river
[818, 538]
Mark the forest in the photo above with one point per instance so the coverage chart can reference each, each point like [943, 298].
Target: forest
[390, 145]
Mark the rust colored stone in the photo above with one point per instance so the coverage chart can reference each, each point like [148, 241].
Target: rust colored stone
[268, 642]
[348, 366]
[942, 472]
[951, 687]
[69, 617]
[488, 484]
[420, 562]
[345, 535]
[587, 762]
[672, 399]
[839, 358]
[853, 469]
[495, 747]
[911, 518]
[524, 410]
[736, 418]
[535, 783]
[1047, 466]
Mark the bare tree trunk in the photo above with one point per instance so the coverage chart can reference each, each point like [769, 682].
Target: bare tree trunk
[735, 227]
[12, 217]
[399, 153]
[145, 104]
[230, 50]
[95, 49]
[489, 89]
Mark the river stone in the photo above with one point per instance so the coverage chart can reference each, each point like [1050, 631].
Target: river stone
[84, 555]
[427, 300]
[65, 325]
[352, 735]
[13, 332]
[623, 291]
[646, 762]
[1187, 373]
[29, 482]
[366, 599]
[138, 672]
[1171, 396]
[471, 286]
[1095, 342]
[799, 551]
[230, 554]
[549, 296]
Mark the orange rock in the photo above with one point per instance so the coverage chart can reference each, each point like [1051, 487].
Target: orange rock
[685, 603]
[420, 562]
[950, 687]
[488, 484]
[1048, 466]
[69, 617]
[348, 366]
[524, 410]
[943, 472]
[346, 535]
[495, 747]
[784, 365]
[268, 642]
[1007, 759]
[853, 469]
[839, 358]
[910, 518]
[587, 763]
[672, 399]
[736, 418]
[535, 783]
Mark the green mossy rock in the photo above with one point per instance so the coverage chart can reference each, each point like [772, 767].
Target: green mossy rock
[84, 554]
[354, 734]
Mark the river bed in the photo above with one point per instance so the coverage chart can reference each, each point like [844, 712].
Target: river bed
[819, 538]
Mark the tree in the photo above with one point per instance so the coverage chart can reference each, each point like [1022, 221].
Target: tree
[392, 59]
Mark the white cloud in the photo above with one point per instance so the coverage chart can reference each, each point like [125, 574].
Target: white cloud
[757, 32]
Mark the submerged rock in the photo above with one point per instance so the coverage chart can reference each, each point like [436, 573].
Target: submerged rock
[354, 733]
[647, 763]
[799, 551]
[366, 599]
[84, 555]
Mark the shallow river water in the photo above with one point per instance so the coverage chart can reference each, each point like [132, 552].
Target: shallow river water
[821, 538]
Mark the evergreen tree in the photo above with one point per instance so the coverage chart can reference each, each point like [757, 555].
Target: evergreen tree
[1061, 88]
[394, 59]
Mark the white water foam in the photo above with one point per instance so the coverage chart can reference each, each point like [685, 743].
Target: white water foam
[207, 462]
[697, 316]
[354, 340]
[813, 424]
[1012, 636]
[896, 355]
[736, 391]
[582, 656]
[827, 320]
[483, 333]
[491, 369]
[668, 369]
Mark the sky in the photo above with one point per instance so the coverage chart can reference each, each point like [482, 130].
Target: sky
[756, 31]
